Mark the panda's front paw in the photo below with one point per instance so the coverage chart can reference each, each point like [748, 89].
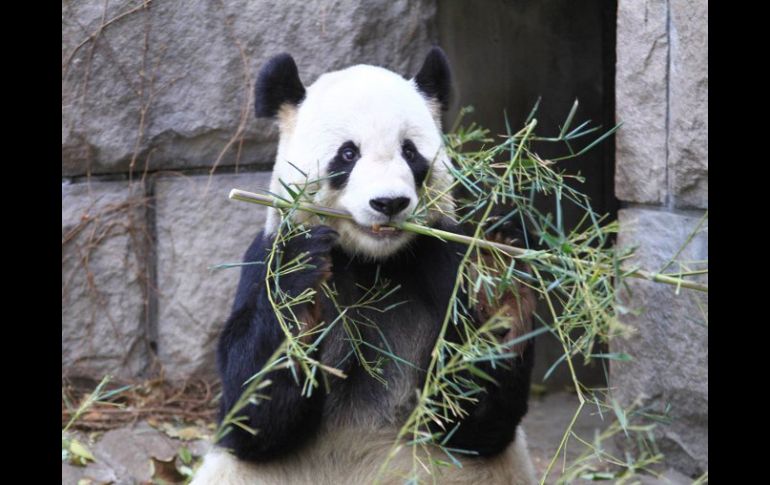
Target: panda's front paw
[313, 248]
[516, 304]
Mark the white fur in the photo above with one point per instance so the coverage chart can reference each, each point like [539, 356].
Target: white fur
[353, 456]
[376, 109]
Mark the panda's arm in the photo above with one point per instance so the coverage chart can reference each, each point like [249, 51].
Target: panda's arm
[250, 336]
[491, 422]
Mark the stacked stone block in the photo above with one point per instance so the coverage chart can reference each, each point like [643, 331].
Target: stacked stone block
[662, 182]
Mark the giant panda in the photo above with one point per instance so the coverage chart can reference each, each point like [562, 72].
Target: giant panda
[373, 139]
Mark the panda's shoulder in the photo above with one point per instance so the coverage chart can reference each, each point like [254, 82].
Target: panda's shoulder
[256, 249]
[252, 269]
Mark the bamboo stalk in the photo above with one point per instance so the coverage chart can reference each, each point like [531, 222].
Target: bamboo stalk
[269, 200]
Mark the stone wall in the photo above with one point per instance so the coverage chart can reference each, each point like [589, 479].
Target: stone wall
[662, 181]
[157, 127]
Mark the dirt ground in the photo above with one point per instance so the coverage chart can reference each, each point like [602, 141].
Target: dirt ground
[150, 451]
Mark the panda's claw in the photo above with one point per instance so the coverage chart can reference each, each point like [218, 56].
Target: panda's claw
[316, 245]
[324, 234]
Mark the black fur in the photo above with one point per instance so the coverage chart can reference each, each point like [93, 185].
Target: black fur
[419, 164]
[425, 273]
[278, 83]
[250, 337]
[435, 78]
[492, 423]
[340, 167]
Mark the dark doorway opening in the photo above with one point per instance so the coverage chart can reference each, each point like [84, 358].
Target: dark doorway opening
[508, 53]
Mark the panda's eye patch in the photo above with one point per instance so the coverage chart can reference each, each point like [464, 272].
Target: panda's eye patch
[348, 152]
[417, 163]
[409, 151]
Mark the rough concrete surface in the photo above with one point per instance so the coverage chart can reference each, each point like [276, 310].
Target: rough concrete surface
[171, 82]
[641, 101]
[670, 346]
[103, 279]
[198, 227]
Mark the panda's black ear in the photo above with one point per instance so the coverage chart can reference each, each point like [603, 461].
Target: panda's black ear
[435, 79]
[278, 83]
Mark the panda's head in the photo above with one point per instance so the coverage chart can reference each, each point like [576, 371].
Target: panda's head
[369, 138]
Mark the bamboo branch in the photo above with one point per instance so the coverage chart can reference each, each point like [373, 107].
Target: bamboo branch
[269, 200]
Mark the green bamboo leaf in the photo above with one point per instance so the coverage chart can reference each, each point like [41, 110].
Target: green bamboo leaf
[568, 121]
[621, 356]
[185, 455]
[79, 450]
[480, 373]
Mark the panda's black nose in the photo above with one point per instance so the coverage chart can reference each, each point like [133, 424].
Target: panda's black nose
[389, 205]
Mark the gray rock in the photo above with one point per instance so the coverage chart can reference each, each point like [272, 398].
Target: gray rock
[688, 125]
[670, 347]
[199, 447]
[199, 227]
[98, 473]
[128, 451]
[103, 279]
[641, 76]
[189, 68]
[669, 477]
[123, 456]
[71, 474]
